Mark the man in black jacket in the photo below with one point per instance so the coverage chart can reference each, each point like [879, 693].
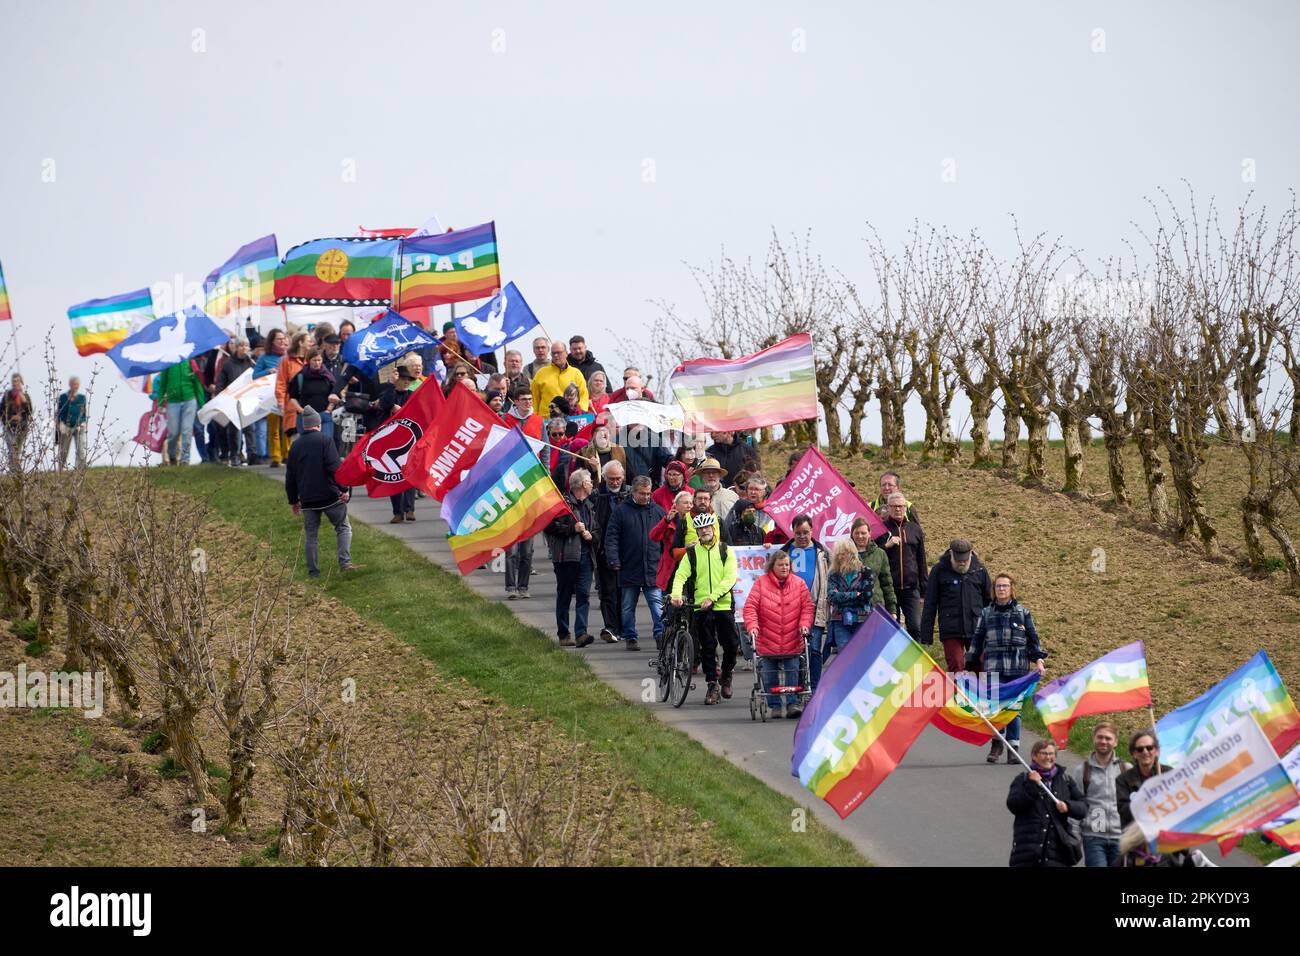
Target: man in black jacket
[583, 360]
[734, 456]
[235, 365]
[634, 555]
[309, 483]
[904, 544]
[613, 492]
[956, 591]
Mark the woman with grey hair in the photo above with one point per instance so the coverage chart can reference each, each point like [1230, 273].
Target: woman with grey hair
[569, 540]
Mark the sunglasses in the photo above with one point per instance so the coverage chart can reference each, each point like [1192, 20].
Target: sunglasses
[1146, 748]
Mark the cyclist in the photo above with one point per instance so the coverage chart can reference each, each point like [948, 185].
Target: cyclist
[709, 568]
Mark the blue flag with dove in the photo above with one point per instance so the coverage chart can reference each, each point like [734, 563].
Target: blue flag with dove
[385, 340]
[505, 317]
[166, 342]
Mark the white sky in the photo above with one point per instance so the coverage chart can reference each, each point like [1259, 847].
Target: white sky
[165, 160]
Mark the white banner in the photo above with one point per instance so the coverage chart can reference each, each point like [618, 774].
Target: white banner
[654, 416]
[245, 401]
[751, 561]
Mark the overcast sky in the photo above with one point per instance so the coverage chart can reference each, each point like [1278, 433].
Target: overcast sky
[610, 142]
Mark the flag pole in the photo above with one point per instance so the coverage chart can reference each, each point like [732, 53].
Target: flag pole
[1152, 711]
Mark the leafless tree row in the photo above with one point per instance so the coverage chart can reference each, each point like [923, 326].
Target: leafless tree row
[1188, 339]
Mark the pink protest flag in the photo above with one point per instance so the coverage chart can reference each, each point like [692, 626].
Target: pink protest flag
[816, 489]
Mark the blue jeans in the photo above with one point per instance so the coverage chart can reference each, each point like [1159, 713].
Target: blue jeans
[327, 425]
[180, 429]
[573, 585]
[1099, 851]
[781, 672]
[841, 633]
[1012, 733]
[259, 439]
[816, 637]
[653, 598]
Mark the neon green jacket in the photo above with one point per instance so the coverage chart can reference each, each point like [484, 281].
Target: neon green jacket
[714, 577]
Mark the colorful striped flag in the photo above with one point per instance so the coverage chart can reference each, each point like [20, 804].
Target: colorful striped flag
[1000, 703]
[506, 497]
[1232, 786]
[1114, 682]
[449, 267]
[5, 314]
[1254, 687]
[244, 282]
[871, 705]
[771, 387]
[344, 271]
[1285, 830]
[100, 324]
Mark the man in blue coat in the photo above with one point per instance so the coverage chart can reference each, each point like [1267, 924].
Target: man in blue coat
[635, 557]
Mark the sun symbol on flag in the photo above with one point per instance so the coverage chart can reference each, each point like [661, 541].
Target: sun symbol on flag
[331, 265]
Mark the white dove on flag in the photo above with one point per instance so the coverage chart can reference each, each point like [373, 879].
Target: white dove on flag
[836, 528]
[172, 345]
[492, 330]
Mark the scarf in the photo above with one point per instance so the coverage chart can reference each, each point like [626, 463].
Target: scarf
[1047, 775]
[322, 372]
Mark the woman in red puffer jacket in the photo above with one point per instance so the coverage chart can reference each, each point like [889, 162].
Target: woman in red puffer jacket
[778, 614]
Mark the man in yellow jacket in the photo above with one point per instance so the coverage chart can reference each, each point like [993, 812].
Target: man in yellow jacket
[551, 380]
[711, 570]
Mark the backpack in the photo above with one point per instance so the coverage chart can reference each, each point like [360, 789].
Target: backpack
[1087, 773]
[688, 592]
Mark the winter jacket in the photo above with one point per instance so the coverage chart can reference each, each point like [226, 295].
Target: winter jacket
[1035, 839]
[665, 532]
[309, 477]
[646, 455]
[664, 495]
[850, 600]
[588, 367]
[600, 458]
[724, 499]
[876, 559]
[821, 579]
[780, 611]
[1005, 641]
[289, 368]
[72, 411]
[956, 599]
[607, 503]
[736, 532]
[906, 560]
[178, 383]
[16, 409]
[1126, 784]
[628, 546]
[530, 425]
[564, 543]
[710, 575]
[881, 508]
[733, 458]
[267, 364]
[620, 395]
[550, 382]
[1099, 789]
[231, 369]
[313, 390]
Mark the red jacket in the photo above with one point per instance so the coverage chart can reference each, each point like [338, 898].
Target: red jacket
[779, 612]
[664, 532]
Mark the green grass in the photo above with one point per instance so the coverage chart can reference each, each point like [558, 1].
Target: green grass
[483, 643]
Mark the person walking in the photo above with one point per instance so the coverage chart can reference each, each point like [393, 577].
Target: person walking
[778, 616]
[849, 592]
[315, 387]
[568, 538]
[272, 427]
[708, 569]
[956, 591]
[812, 563]
[1005, 646]
[1098, 779]
[665, 532]
[613, 492]
[292, 363]
[179, 389]
[70, 423]
[904, 545]
[1040, 834]
[311, 488]
[874, 558]
[634, 555]
[406, 379]
[16, 409]
[236, 364]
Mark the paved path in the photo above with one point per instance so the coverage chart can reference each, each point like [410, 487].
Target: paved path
[943, 806]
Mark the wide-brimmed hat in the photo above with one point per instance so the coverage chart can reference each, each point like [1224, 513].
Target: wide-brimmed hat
[710, 464]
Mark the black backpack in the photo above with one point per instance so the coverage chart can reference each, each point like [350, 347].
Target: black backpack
[688, 592]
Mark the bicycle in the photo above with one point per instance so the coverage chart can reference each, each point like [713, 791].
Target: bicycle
[675, 661]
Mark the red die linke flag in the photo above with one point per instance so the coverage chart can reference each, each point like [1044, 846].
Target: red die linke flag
[816, 489]
[382, 459]
[453, 445]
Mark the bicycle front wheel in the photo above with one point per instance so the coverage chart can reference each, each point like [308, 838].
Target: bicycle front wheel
[683, 660]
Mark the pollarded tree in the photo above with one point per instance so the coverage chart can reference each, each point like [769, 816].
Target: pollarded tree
[894, 337]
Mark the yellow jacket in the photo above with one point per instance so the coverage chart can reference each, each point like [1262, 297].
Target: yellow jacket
[549, 384]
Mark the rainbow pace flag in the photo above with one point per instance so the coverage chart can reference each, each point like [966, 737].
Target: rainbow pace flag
[1000, 703]
[449, 267]
[244, 282]
[5, 313]
[871, 705]
[1285, 830]
[100, 324]
[349, 270]
[1115, 682]
[506, 497]
[1232, 786]
[771, 387]
[1253, 688]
